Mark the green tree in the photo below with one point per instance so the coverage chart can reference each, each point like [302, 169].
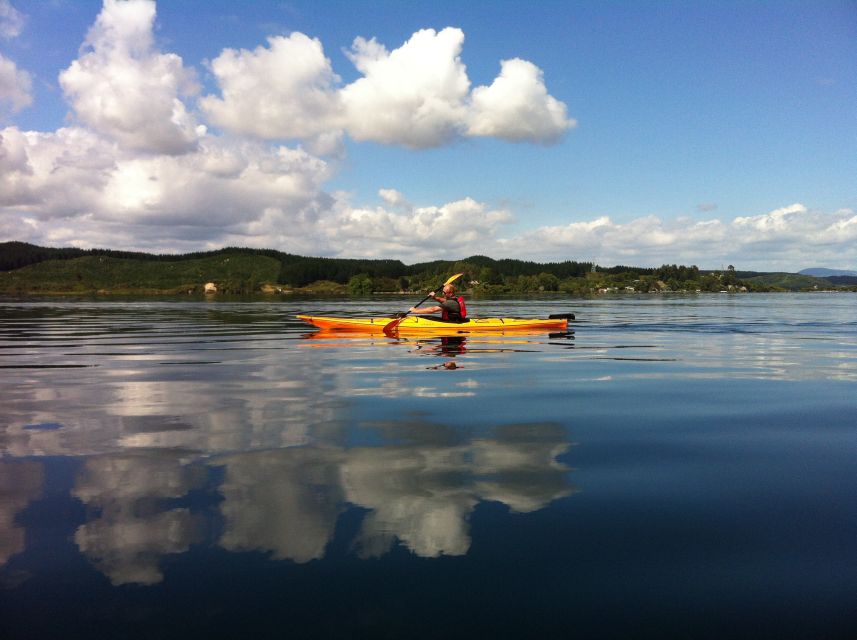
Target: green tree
[548, 282]
[488, 275]
[360, 285]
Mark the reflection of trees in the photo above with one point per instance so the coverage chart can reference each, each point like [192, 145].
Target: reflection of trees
[133, 528]
[285, 501]
[21, 482]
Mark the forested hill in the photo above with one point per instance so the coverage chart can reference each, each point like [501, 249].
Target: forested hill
[29, 269]
[298, 271]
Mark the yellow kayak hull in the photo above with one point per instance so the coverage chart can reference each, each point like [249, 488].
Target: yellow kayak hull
[431, 325]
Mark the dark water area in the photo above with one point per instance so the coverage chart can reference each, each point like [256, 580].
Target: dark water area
[676, 466]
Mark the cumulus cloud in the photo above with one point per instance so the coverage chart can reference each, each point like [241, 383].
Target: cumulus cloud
[394, 198]
[73, 187]
[53, 175]
[123, 88]
[517, 107]
[780, 223]
[792, 236]
[136, 169]
[417, 96]
[414, 233]
[75, 181]
[15, 84]
[413, 96]
[284, 90]
[11, 20]
[15, 87]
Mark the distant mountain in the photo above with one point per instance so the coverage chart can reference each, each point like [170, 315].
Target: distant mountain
[820, 272]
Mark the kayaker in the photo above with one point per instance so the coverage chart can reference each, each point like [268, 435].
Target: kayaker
[450, 306]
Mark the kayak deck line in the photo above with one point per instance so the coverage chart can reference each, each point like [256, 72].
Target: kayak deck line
[422, 324]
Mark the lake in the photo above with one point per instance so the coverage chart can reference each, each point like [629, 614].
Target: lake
[675, 466]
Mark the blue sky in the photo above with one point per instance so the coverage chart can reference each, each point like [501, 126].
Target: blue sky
[641, 133]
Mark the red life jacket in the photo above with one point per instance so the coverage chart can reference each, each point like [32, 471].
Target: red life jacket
[462, 313]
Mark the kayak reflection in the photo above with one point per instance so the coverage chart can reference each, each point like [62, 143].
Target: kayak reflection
[446, 346]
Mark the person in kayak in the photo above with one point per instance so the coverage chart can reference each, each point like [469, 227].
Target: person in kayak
[450, 306]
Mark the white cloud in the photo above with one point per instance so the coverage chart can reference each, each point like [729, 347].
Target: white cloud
[53, 175]
[517, 107]
[15, 87]
[285, 90]
[786, 221]
[413, 96]
[73, 187]
[75, 181]
[11, 20]
[842, 229]
[394, 198]
[123, 88]
[793, 236]
[414, 233]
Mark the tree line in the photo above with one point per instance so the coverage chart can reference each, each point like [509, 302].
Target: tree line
[363, 276]
[299, 271]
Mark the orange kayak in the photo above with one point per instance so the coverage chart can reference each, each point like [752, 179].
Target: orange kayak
[433, 325]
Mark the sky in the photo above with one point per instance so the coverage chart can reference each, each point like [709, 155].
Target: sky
[626, 133]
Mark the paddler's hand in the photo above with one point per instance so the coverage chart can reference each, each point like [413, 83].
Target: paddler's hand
[412, 310]
[432, 294]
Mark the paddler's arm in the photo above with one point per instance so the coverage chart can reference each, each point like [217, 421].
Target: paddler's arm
[428, 310]
[424, 310]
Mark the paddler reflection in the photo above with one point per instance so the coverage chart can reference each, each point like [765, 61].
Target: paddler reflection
[446, 347]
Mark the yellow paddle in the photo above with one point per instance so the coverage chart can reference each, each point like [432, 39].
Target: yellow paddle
[392, 326]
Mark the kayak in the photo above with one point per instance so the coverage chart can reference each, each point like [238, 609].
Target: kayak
[434, 325]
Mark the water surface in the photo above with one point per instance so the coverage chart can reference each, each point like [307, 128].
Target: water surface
[676, 465]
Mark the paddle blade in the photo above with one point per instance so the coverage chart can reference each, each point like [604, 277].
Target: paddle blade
[391, 327]
[453, 278]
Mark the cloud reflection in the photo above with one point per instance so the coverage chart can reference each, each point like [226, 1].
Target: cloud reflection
[21, 482]
[285, 502]
[419, 492]
[130, 527]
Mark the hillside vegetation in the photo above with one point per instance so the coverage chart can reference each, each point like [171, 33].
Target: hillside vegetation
[790, 281]
[105, 274]
[30, 270]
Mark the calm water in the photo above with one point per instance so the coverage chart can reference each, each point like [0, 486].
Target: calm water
[678, 466]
